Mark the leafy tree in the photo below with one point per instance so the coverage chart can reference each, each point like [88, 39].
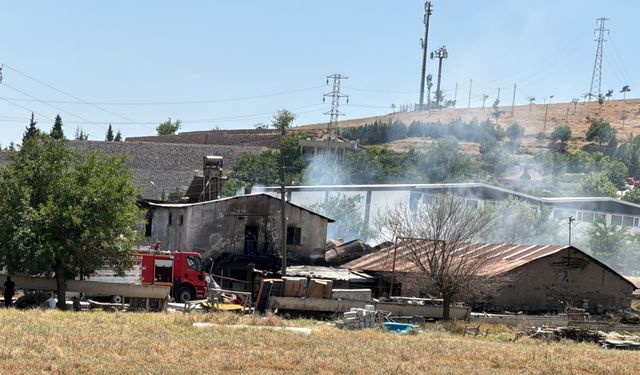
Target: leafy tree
[496, 110]
[64, 212]
[606, 242]
[32, 131]
[562, 134]
[282, 120]
[632, 196]
[600, 131]
[629, 153]
[495, 158]
[56, 131]
[376, 164]
[176, 195]
[168, 127]
[615, 171]
[597, 184]
[445, 162]
[109, 137]
[341, 208]
[515, 132]
[118, 137]
[251, 170]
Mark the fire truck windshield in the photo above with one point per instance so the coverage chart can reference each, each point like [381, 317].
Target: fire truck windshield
[195, 263]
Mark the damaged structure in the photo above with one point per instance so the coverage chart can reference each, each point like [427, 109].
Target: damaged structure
[528, 278]
[239, 232]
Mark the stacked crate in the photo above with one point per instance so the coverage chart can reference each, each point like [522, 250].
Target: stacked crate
[358, 318]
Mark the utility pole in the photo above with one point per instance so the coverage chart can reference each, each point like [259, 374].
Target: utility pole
[424, 43]
[513, 100]
[440, 54]
[546, 111]
[596, 76]
[283, 207]
[455, 95]
[571, 220]
[470, 84]
[334, 113]
[429, 85]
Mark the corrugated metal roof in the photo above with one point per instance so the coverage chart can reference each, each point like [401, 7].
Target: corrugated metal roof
[635, 280]
[501, 257]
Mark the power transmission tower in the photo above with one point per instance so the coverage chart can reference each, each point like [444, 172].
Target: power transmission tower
[334, 113]
[424, 43]
[596, 76]
[440, 54]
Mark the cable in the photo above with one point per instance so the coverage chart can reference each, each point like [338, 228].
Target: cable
[27, 109]
[50, 105]
[67, 94]
[140, 103]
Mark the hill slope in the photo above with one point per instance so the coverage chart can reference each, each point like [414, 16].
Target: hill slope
[531, 117]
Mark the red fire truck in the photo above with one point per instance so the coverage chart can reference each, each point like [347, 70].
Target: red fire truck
[183, 271]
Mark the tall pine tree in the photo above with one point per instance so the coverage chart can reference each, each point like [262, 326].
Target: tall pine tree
[118, 137]
[109, 137]
[31, 131]
[56, 131]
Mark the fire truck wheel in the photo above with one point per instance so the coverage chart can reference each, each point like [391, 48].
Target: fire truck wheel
[184, 294]
[116, 299]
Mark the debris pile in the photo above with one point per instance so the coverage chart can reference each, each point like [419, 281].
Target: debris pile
[610, 340]
[358, 318]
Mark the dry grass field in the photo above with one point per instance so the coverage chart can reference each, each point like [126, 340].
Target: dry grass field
[131, 343]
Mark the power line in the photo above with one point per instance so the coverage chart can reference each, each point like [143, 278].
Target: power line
[80, 101]
[50, 105]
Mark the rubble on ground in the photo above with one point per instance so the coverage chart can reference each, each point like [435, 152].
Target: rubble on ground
[608, 340]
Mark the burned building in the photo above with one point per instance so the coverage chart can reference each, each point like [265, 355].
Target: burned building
[534, 278]
[239, 231]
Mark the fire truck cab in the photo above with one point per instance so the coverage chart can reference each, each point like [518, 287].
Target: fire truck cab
[182, 270]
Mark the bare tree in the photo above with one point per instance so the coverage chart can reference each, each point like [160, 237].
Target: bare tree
[437, 237]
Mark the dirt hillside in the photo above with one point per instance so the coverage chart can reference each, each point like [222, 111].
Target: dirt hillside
[531, 117]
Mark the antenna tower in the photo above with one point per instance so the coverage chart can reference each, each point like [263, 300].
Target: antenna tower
[440, 54]
[596, 76]
[427, 13]
[334, 113]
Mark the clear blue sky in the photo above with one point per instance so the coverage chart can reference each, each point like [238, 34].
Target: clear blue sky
[124, 55]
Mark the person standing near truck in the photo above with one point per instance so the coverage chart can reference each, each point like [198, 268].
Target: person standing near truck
[9, 291]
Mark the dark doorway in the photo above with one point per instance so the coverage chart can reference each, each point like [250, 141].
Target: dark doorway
[251, 235]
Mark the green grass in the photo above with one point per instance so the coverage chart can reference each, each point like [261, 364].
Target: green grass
[105, 343]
